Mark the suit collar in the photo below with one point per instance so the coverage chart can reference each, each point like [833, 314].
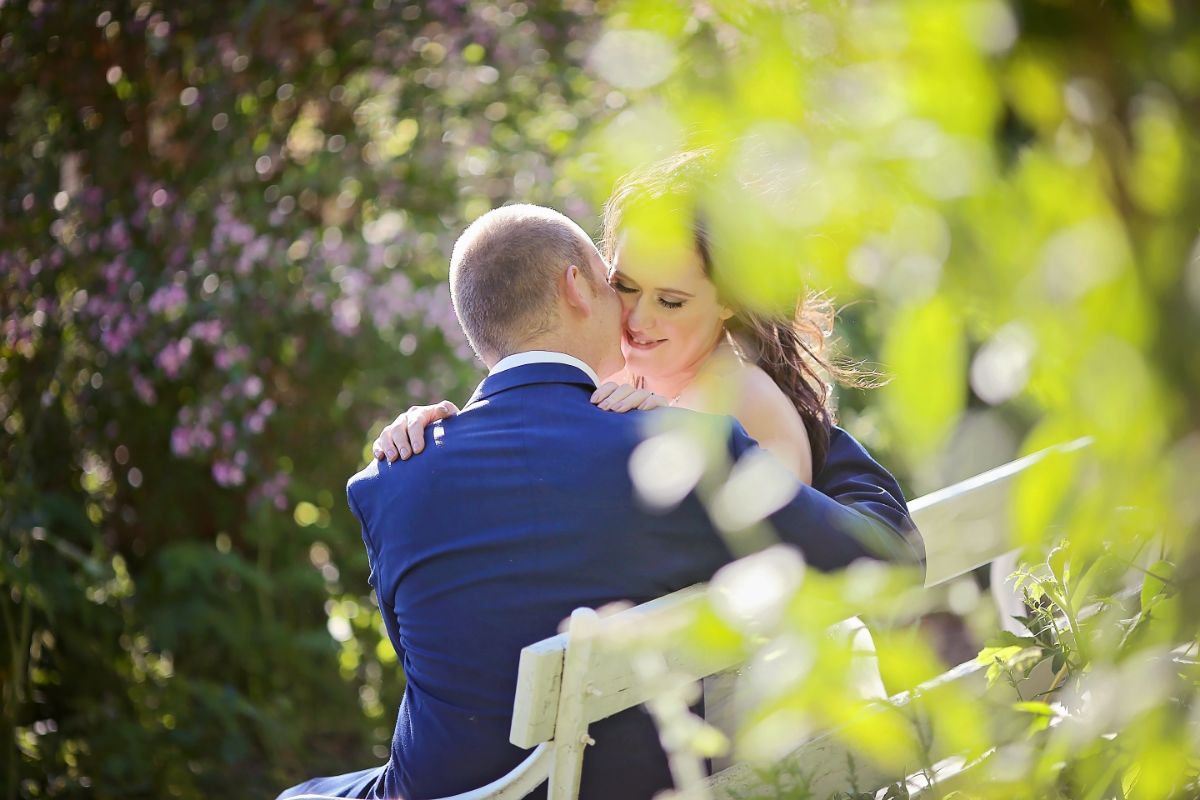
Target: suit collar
[543, 357]
[529, 374]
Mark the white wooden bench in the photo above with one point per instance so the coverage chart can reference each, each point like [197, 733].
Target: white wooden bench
[569, 681]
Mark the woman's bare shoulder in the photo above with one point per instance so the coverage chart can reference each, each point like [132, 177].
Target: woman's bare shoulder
[759, 394]
[769, 416]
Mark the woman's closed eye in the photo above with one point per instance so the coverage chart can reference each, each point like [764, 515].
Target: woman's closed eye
[624, 288]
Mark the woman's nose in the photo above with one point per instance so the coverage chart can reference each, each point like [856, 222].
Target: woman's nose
[638, 316]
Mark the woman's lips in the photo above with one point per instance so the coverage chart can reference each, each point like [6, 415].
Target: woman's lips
[638, 343]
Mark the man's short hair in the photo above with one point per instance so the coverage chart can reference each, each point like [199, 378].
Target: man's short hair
[504, 275]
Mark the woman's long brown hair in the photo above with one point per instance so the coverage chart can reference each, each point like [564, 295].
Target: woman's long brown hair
[789, 345]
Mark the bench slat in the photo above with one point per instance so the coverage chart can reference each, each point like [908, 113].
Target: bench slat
[968, 524]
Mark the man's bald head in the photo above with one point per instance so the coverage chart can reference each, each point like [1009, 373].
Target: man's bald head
[505, 272]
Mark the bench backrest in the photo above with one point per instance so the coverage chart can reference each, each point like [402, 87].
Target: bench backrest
[613, 683]
[969, 523]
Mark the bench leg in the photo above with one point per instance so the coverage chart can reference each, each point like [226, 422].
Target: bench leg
[1010, 601]
[570, 726]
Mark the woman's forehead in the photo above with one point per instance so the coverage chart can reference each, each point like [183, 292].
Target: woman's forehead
[674, 267]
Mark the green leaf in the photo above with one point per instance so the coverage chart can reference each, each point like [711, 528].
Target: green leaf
[1036, 707]
[924, 404]
[1156, 581]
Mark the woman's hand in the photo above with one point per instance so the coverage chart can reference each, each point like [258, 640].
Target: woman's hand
[405, 436]
[622, 397]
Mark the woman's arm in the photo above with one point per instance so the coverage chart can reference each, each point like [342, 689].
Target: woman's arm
[404, 437]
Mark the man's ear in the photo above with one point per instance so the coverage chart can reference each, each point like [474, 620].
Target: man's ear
[575, 292]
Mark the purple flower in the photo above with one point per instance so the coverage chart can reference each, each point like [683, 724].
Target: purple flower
[203, 438]
[172, 357]
[145, 391]
[227, 474]
[168, 299]
[181, 444]
[209, 331]
[118, 236]
[346, 316]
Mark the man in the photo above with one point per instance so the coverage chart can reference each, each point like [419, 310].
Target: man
[523, 509]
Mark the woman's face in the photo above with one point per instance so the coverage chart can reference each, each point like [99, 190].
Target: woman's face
[671, 316]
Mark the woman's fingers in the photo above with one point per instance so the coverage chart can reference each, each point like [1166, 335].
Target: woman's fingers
[616, 396]
[624, 397]
[405, 435]
[384, 445]
[641, 399]
[422, 417]
[604, 390]
[653, 401]
[401, 448]
[631, 401]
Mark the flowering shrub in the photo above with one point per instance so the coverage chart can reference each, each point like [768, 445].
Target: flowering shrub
[223, 246]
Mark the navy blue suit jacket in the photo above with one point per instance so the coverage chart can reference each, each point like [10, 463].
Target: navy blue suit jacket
[520, 510]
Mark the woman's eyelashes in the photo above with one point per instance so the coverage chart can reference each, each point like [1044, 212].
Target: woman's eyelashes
[662, 301]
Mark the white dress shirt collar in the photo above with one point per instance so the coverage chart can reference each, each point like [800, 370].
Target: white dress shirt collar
[543, 357]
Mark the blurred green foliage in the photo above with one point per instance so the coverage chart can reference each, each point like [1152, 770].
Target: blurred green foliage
[223, 239]
[1006, 195]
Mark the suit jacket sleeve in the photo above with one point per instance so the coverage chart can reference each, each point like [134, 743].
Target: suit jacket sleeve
[384, 600]
[854, 509]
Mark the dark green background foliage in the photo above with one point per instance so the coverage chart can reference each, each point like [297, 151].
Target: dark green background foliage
[245, 271]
